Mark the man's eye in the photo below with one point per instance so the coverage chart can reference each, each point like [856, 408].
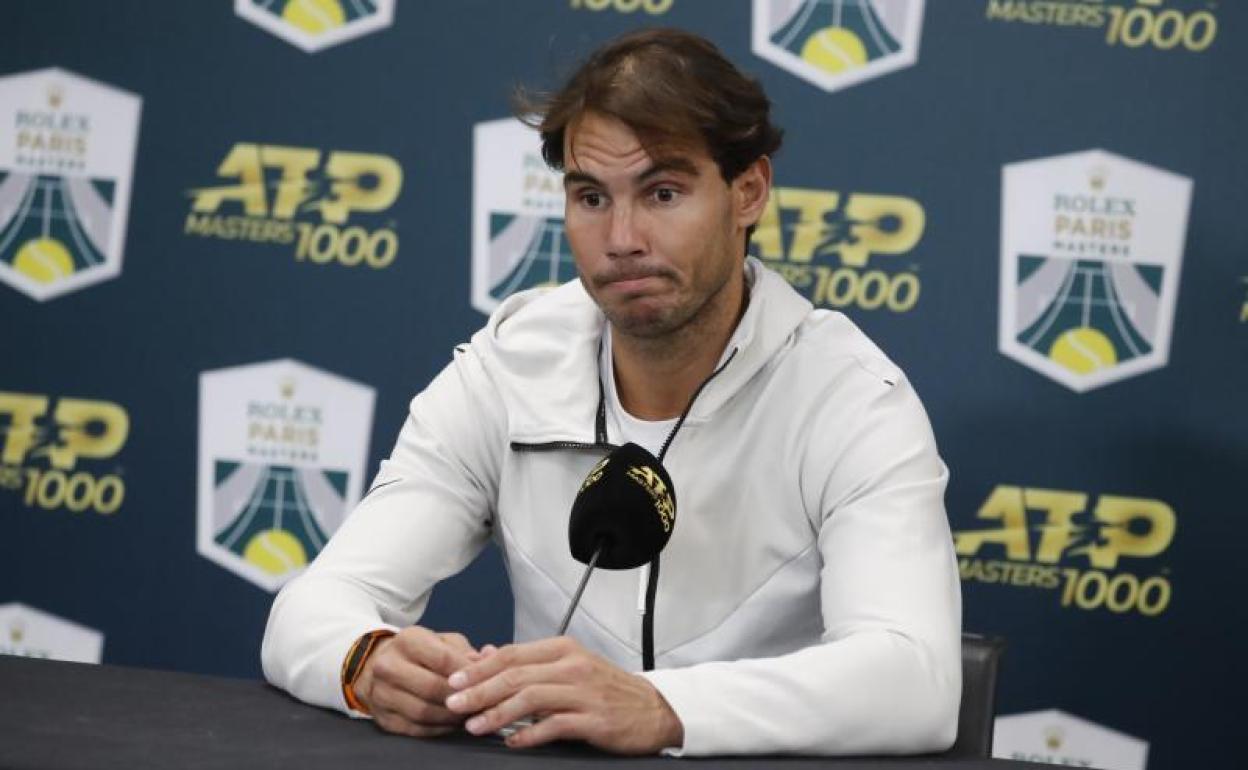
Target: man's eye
[664, 194]
[591, 199]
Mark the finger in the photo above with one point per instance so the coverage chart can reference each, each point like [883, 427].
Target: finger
[403, 675]
[414, 709]
[422, 646]
[559, 727]
[542, 651]
[394, 723]
[505, 684]
[481, 654]
[458, 641]
[534, 699]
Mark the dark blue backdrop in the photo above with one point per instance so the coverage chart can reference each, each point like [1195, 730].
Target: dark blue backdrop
[985, 92]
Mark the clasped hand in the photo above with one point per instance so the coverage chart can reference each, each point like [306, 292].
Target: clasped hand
[423, 683]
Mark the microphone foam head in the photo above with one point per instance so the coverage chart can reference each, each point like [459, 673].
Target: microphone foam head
[628, 503]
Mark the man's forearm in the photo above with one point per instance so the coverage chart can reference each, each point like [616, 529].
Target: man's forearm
[304, 646]
[870, 692]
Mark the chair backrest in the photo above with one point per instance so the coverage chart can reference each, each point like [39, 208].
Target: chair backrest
[980, 657]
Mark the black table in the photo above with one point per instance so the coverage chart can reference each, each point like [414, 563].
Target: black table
[71, 715]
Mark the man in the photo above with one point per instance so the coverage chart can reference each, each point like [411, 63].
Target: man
[807, 601]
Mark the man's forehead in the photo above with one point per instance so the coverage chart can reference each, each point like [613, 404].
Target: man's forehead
[593, 134]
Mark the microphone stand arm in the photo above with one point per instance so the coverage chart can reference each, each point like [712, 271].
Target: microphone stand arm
[580, 589]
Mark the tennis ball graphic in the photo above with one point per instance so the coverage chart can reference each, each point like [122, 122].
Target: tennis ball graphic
[314, 16]
[275, 551]
[44, 260]
[1083, 350]
[834, 49]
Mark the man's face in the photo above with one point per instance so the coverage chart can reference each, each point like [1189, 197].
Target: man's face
[656, 240]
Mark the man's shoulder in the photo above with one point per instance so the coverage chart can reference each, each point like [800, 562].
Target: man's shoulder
[539, 350]
[828, 341]
[541, 310]
[540, 332]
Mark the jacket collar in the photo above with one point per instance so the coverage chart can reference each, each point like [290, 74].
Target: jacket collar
[540, 348]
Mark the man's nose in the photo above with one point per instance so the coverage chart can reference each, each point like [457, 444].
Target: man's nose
[624, 237]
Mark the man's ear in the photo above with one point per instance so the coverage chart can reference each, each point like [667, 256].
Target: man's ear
[750, 191]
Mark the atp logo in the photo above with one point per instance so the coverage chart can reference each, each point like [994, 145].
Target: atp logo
[1091, 249]
[1106, 538]
[320, 202]
[281, 461]
[835, 44]
[1127, 23]
[823, 243]
[313, 25]
[658, 491]
[652, 7]
[42, 444]
[595, 475]
[518, 239]
[65, 172]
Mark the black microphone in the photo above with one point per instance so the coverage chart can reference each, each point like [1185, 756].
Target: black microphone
[622, 517]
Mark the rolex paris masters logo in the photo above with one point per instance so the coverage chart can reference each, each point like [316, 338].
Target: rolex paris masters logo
[66, 160]
[28, 632]
[835, 44]
[518, 241]
[1054, 737]
[1091, 249]
[281, 463]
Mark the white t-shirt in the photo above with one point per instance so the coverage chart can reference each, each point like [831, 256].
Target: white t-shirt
[623, 427]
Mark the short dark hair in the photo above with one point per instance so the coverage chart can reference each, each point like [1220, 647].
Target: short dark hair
[672, 88]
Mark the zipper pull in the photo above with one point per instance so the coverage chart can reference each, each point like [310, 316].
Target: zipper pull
[643, 575]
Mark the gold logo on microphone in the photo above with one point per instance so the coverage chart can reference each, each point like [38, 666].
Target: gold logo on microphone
[663, 503]
[595, 474]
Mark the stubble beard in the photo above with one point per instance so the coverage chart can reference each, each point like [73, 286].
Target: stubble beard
[672, 329]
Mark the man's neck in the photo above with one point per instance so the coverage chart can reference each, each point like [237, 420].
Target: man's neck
[656, 377]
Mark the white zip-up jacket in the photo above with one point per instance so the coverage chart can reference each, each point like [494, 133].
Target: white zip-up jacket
[808, 600]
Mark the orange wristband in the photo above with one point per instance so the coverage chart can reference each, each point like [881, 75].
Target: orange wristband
[353, 664]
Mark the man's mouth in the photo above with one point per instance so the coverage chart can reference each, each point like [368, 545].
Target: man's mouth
[626, 280]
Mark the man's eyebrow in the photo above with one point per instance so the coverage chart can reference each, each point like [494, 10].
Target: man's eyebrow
[666, 166]
[669, 166]
[579, 177]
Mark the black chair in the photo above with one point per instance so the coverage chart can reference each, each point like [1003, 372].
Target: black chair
[980, 656]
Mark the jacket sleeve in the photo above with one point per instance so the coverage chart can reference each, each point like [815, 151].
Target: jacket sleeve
[426, 516]
[886, 677]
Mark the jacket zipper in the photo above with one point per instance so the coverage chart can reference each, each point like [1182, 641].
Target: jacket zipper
[600, 433]
[652, 579]
[552, 446]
